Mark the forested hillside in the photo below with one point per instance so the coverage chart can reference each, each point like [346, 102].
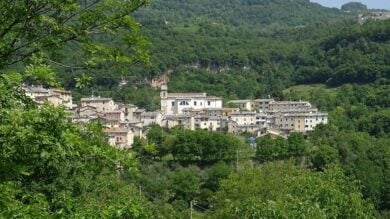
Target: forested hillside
[259, 13]
[217, 57]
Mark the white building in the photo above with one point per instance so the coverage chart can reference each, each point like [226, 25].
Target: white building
[177, 103]
[210, 123]
[150, 118]
[34, 91]
[243, 118]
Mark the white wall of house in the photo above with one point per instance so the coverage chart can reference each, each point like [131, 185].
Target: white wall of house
[312, 120]
[151, 118]
[208, 123]
[176, 103]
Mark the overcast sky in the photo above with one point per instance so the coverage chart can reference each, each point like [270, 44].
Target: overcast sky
[378, 4]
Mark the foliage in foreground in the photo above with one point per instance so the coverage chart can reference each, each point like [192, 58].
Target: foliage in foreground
[281, 190]
[50, 167]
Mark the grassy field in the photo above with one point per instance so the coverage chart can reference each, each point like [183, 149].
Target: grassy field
[304, 92]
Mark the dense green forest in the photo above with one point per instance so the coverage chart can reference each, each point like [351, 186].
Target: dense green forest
[292, 50]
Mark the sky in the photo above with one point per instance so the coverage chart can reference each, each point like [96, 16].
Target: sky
[377, 4]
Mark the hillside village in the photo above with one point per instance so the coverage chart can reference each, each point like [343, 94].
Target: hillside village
[190, 111]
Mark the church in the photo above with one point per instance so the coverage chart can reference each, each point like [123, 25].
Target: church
[177, 103]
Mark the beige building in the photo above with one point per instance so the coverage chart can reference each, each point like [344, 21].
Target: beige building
[88, 111]
[128, 110]
[299, 122]
[229, 111]
[237, 129]
[184, 121]
[289, 106]
[246, 105]
[101, 104]
[122, 138]
[262, 105]
[65, 96]
[243, 118]
[56, 97]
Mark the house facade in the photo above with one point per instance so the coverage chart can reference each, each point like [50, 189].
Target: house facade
[101, 104]
[121, 138]
[178, 103]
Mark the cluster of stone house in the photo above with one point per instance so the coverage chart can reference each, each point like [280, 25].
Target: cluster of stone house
[375, 15]
[259, 116]
[55, 96]
[187, 110]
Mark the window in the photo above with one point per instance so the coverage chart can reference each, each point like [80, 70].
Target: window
[209, 103]
[173, 103]
[184, 103]
[195, 103]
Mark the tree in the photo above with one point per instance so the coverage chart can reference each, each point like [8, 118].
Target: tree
[281, 190]
[41, 27]
[50, 167]
[354, 7]
[186, 183]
